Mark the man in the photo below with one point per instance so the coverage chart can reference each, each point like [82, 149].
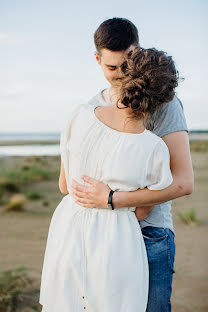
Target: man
[114, 38]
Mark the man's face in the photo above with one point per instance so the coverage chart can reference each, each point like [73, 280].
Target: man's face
[110, 61]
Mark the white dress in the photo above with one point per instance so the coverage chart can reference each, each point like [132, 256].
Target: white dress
[95, 259]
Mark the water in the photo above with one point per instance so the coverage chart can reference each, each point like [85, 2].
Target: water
[29, 136]
[30, 150]
[34, 149]
[37, 149]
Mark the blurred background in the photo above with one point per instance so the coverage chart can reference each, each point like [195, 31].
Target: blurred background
[47, 66]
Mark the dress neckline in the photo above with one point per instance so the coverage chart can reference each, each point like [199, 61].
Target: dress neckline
[111, 129]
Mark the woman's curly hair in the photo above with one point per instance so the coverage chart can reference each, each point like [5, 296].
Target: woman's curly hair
[148, 79]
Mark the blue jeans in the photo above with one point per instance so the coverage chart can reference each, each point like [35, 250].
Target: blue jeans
[160, 248]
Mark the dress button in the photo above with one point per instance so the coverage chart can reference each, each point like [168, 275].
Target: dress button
[84, 307]
[83, 297]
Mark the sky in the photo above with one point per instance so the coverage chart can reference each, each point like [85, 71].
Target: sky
[47, 61]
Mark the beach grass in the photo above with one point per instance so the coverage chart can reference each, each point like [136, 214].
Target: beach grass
[12, 284]
[200, 146]
[189, 217]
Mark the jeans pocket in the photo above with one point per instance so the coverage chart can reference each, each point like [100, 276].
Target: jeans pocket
[155, 239]
[154, 234]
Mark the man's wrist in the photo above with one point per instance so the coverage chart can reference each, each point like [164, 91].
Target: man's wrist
[118, 199]
[143, 197]
[126, 199]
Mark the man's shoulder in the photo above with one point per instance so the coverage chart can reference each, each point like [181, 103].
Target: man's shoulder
[174, 105]
[97, 98]
[169, 118]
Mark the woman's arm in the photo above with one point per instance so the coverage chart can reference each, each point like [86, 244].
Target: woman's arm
[62, 180]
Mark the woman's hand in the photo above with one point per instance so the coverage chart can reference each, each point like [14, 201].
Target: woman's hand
[93, 196]
[142, 212]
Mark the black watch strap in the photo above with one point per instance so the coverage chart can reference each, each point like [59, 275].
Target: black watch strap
[110, 199]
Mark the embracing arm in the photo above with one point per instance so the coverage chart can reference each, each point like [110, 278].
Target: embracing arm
[96, 195]
[170, 125]
[182, 172]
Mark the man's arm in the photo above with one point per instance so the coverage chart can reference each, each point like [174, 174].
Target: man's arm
[169, 124]
[96, 195]
[182, 172]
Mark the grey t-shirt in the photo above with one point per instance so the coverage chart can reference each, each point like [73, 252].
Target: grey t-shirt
[169, 118]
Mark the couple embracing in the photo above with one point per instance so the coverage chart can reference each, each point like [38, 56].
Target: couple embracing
[124, 156]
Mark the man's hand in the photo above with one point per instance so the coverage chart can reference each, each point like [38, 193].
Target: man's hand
[96, 196]
[142, 212]
[93, 196]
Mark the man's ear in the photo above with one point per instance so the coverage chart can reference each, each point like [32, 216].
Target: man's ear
[98, 57]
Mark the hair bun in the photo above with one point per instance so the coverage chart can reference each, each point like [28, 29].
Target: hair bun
[148, 80]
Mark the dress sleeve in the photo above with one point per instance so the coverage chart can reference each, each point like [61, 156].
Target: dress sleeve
[64, 139]
[158, 173]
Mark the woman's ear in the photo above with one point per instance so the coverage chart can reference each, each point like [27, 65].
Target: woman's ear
[98, 57]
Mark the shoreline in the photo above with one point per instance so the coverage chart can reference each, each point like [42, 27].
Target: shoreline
[193, 136]
[29, 142]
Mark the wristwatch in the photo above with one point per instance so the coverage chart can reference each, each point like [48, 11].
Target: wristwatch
[110, 204]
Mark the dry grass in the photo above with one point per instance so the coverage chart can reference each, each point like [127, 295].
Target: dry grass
[12, 284]
[16, 203]
[189, 217]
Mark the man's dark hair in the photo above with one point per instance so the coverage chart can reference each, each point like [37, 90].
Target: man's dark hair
[116, 34]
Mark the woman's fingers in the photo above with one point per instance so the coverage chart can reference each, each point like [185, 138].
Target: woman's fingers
[85, 203]
[78, 194]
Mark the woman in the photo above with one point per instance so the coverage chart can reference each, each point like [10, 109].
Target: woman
[95, 259]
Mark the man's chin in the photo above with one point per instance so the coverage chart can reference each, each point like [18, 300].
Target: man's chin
[114, 84]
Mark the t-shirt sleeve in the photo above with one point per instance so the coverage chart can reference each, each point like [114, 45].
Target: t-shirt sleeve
[169, 118]
[158, 173]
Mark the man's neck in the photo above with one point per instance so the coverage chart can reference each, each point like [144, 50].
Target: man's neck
[110, 95]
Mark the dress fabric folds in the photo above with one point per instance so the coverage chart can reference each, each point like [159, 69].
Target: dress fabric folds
[95, 259]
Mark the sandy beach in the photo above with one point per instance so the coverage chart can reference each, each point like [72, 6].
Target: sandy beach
[24, 233]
